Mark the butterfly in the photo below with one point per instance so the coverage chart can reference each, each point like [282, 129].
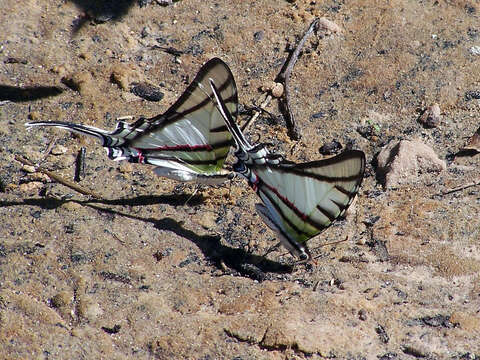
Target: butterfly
[299, 201]
[189, 142]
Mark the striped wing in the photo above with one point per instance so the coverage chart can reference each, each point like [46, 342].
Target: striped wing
[189, 142]
[299, 200]
[192, 132]
[302, 200]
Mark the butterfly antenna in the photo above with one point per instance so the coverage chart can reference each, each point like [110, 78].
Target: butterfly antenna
[197, 186]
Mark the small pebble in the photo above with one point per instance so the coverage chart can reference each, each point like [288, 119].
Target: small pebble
[61, 299]
[59, 150]
[277, 90]
[28, 168]
[258, 36]
[328, 26]
[71, 206]
[60, 70]
[475, 50]
[30, 187]
[147, 91]
[207, 221]
[431, 116]
[473, 143]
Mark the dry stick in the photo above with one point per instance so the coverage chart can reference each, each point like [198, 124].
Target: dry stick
[284, 78]
[255, 115]
[329, 243]
[58, 178]
[50, 146]
[460, 188]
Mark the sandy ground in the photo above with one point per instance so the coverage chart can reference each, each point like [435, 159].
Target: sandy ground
[157, 269]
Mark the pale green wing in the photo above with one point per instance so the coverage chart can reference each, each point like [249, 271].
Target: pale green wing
[189, 142]
[302, 200]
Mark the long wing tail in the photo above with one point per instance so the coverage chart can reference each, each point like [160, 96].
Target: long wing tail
[113, 141]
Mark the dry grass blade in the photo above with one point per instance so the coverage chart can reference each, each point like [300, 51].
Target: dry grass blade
[58, 178]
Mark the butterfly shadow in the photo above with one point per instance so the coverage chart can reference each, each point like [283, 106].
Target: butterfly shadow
[50, 203]
[100, 11]
[246, 264]
[28, 93]
[238, 261]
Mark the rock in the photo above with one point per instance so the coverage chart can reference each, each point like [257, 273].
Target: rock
[88, 309]
[80, 81]
[473, 143]
[123, 75]
[28, 168]
[207, 221]
[328, 26]
[61, 299]
[34, 115]
[277, 90]
[431, 116]
[30, 187]
[400, 162]
[125, 167]
[59, 150]
[475, 50]
[147, 91]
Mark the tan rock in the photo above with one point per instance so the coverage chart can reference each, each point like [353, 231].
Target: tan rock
[400, 162]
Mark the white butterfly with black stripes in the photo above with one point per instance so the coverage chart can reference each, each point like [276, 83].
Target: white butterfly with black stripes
[299, 200]
[189, 142]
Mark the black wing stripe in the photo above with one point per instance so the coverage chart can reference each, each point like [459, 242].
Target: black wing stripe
[219, 129]
[172, 114]
[341, 206]
[304, 217]
[345, 191]
[291, 241]
[170, 117]
[326, 213]
[188, 148]
[300, 172]
[279, 211]
[346, 155]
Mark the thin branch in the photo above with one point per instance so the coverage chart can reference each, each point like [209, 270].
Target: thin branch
[463, 187]
[58, 178]
[255, 115]
[284, 77]
[328, 244]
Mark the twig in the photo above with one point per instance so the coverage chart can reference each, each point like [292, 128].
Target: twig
[50, 146]
[284, 78]
[328, 244]
[115, 236]
[460, 188]
[80, 165]
[255, 115]
[58, 178]
[169, 50]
